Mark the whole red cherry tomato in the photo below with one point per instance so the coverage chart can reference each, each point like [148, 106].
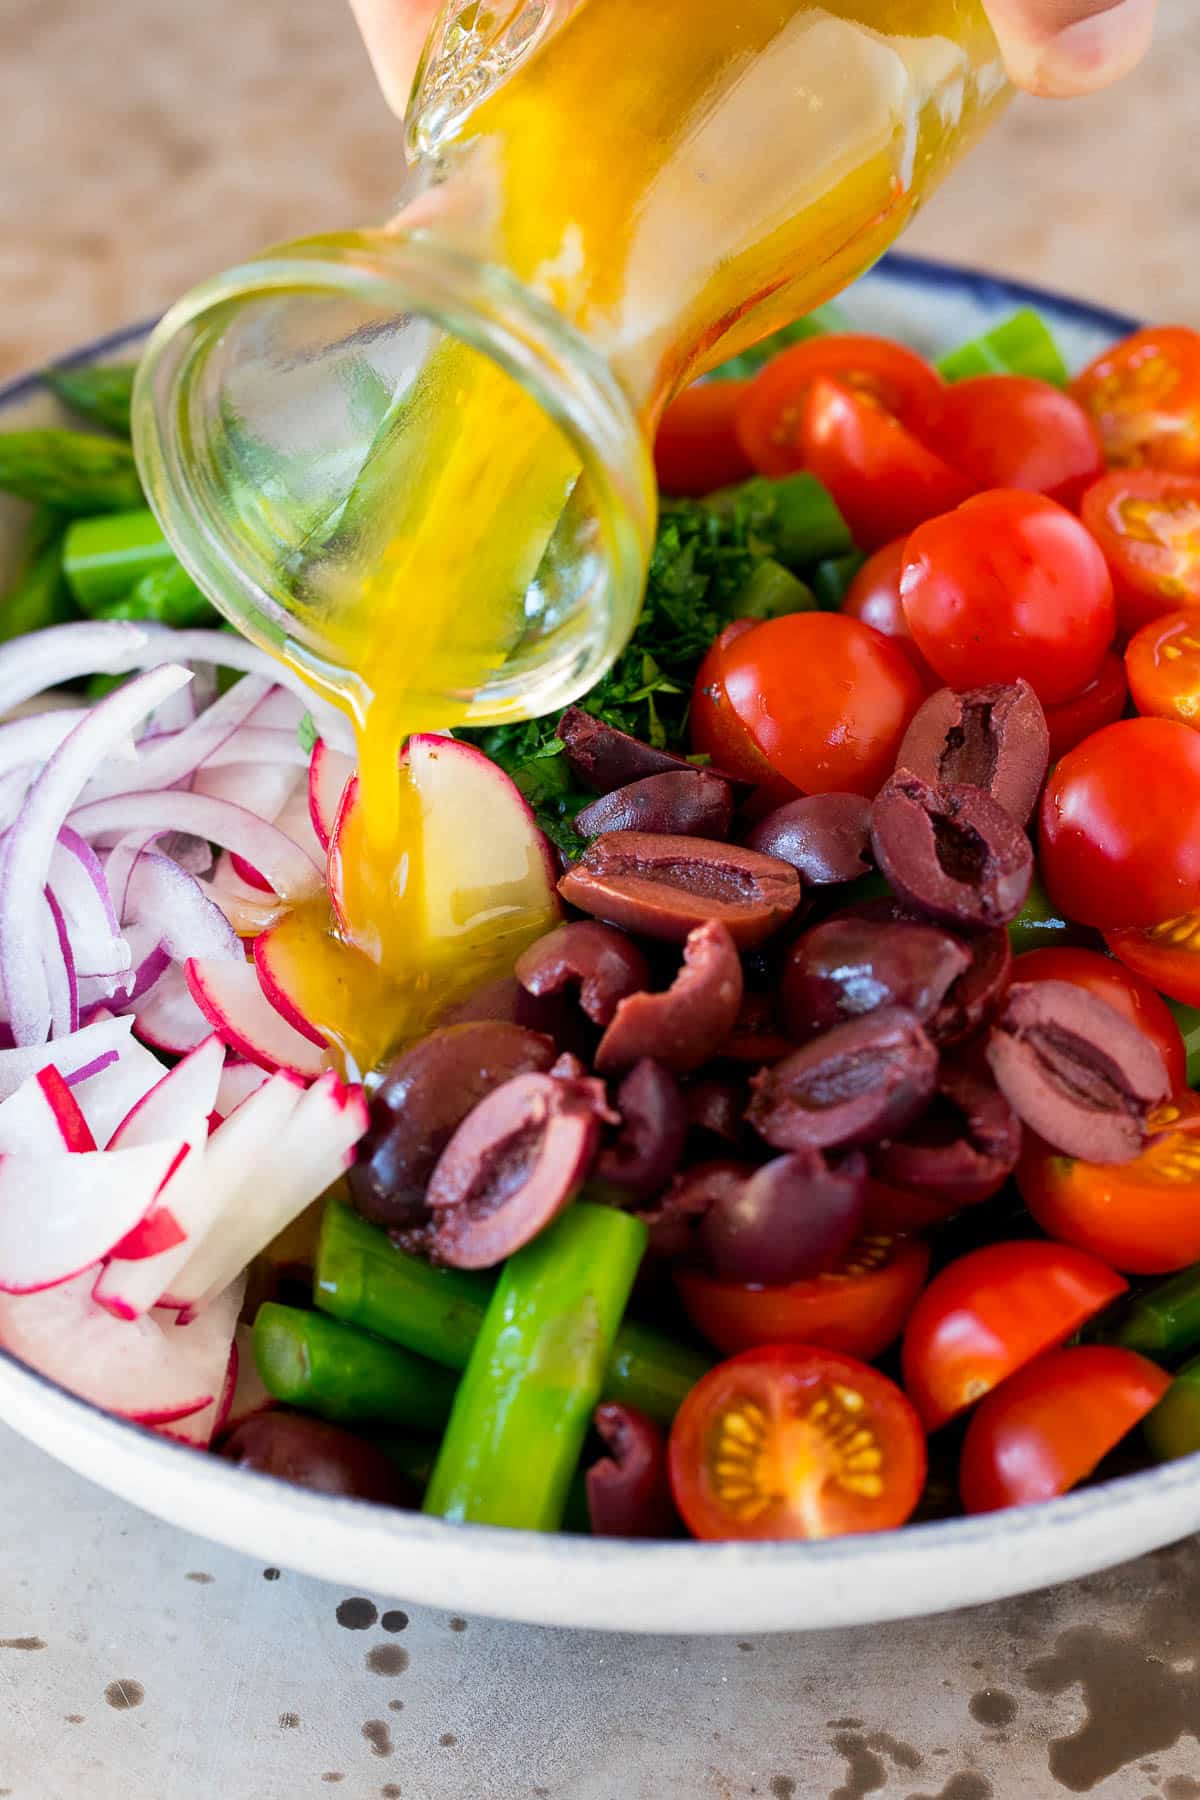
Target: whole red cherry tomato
[893, 379]
[697, 448]
[1010, 431]
[1009, 585]
[1100, 703]
[873, 598]
[1109, 980]
[1144, 397]
[1147, 524]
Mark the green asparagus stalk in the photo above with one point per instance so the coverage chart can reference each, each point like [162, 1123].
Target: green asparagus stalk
[830, 579]
[70, 470]
[104, 556]
[772, 591]
[100, 392]
[327, 1368]
[415, 1457]
[1188, 1020]
[1162, 1322]
[39, 596]
[1173, 1428]
[362, 1278]
[166, 595]
[1022, 345]
[536, 1371]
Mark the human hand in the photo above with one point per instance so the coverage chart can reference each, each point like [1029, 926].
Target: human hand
[1051, 46]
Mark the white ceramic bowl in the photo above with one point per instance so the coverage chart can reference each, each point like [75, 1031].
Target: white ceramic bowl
[608, 1585]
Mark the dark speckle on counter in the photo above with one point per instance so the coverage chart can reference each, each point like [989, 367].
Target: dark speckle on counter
[966, 1785]
[390, 1791]
[74, 1718]
[124, 1694]
[273, 1575]
[394, 1621]
[783, 1787]
[458, 1624]
[378, 1736]
[447, 1740]
[199, 1576]
[395, 1706]
[23, 1643]
[357, 1614]
[991, 1707]
[865, 1771]
[388, 1659]
[289, 1721]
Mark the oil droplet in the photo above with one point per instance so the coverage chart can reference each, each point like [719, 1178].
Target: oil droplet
[387, 1659]
[124, 1694]
[357, 1614]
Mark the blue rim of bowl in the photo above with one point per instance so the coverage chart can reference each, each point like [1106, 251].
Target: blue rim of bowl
[997, 1532]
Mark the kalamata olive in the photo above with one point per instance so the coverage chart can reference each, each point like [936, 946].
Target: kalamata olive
[757, 1036]
[995, 738]
[602, 963]
[952, 854]
[673, 1218]
[505, 1001]
[862, 1081]
[685, 1026]
[973, 999]
[715, 1105]
[629, 1491]
[844, 968]
[1076, 1071]
[826, 837]
[649, 1143]
[960, 1151]
[664, 887]
[603, 758]
[682, 802]
[515, 1161]
[313, 1454]
[424, 1096]
[793, 1218]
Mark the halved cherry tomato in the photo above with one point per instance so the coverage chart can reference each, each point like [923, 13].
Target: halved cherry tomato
[1162, 662]
[1142, 1216]
[1134, 998]
[891, 377]
[884, 479]
[858, 1308]
[899, 1211]
[697, 448]
[1010, 585]
[992, 1311]
[1167, 954]
[1047, 1428]
[874, 599]
[1100, 703]
[1147, 524]
[824, 700]
[1010, 431]
[1144, 396]
[1120, 826]
[792, 1442]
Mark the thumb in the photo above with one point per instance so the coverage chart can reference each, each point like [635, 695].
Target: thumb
[394, 31]
[1062, 47]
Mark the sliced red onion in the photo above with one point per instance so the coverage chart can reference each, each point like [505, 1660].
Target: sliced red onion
[167, 1016]
[263, 788]
[254, 744]
[170, 759]
[291, 872]
[32, 741]
[45, 659]
[176, 713]
[226, 651]
[282, 710]
[25, 857]
[78, 885]
[161, 895]
[58, 969]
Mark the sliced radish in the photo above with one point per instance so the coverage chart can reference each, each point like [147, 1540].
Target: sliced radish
[317, 1146]
[168, 1018]
[59, 1216]
[249, 1396]
[107, 1095]
[231, 999]
[130, 1367]
[278, 979]
[85, 1053]
[247, 910]
[238, 1081]
[218, 1181]
[43, 1118]
[328, 772]
[177, 1106]
[210, 1344]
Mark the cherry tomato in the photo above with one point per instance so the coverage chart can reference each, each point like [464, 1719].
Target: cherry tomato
[1049, 1426]
[1010, 585]
[716, 730]
[1166, 954]
[822, 698]
[1144, 396]
[874, 599]
[787, 1441]
[891, 377]
[1120, 826]
[1143, 1216]
[898, 1211]
[697, 447]
[992, 1311]
[858, 1308]
[1162, 662]
[1010, 431]
[1132, 997]
[1100, 703]
[884, 479]
[1148, 526]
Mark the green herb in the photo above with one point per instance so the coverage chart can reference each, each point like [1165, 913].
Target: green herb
[100, 392]
[307, 733]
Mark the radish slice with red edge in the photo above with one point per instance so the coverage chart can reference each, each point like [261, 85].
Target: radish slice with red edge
[177, 1106]
[59, 1217]
[76, 1057]
[238, 1081]
[113, 1090]
[328, 772]
[250, 1396]
[168, 1018]
[210, 1344]
[232, 1000]
[43, 1118]
[279, 980]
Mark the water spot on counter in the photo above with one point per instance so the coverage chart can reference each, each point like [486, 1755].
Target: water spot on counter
[992, 1707]
[378, 1736]
[865, 1771]
[394, 1621]
[289, 1721]
[357, 1614]
[1135, 1702]
[1181, 1787]
[447, 1740]
[395, 1706]
[743, 1645]
[199, 1576]
[966, 1785]
[390, 1791]
[844, 1724]
[124, 1695]
[388, 1659]
[783, 1787]
[273, 1575]
[25, 1643]
[74, 1718]
[895, 1749]
[332, 1775]
[458, 1624]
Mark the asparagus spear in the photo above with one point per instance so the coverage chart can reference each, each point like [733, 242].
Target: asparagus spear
[39, 596]
[166, 595]
[101, 392]
[331, 1369]
[536, 1371]
[70, 470]
[1022, 345]
[362, 1278]
[1162, 1322]
[104, 556]
[1173, 1428]
[1188, 1020]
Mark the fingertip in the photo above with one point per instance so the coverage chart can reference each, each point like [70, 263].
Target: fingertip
[1079, 57]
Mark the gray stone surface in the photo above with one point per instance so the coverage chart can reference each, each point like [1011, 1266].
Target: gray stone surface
[140, 1664]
